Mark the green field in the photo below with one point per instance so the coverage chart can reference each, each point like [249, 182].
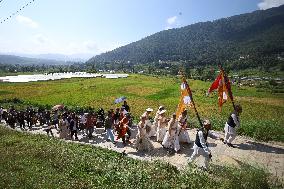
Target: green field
[37, 161]
[262, 110]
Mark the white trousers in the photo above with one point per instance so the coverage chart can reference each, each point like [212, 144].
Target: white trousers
[230, 133]
[197, 152]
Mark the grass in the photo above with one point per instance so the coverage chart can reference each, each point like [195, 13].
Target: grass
[37, 161]
[261, 108]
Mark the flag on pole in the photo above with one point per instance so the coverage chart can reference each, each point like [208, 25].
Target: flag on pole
[185, 100]
[223, 86]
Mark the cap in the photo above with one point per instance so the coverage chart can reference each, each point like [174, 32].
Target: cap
[163, 111]
[149, 109]
[161, 107]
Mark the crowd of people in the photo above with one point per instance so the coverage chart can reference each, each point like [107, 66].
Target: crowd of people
[170, 133]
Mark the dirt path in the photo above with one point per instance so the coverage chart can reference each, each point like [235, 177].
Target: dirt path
[267, 155]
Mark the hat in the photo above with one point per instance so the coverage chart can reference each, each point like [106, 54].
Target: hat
[206, 122]
[163, 111]
[161, 107]
[149, 109]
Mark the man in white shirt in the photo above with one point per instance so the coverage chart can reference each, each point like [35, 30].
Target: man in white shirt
[200, 145]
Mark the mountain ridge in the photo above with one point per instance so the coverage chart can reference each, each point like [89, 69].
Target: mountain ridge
[259, 34]
[13, 60]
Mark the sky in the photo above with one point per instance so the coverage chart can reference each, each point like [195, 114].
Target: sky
[96, 26]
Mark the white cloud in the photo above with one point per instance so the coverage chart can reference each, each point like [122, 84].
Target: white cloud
[266, 4]
[172, 20]
[27, 21]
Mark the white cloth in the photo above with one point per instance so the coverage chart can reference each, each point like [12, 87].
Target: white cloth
[153, 131]
[142, 140]
[171, 139]
[161, 133]
[184, 137]
[64, 130]
[161, 130]
[155, 124]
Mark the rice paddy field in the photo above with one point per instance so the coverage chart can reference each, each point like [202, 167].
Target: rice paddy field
[262, 116]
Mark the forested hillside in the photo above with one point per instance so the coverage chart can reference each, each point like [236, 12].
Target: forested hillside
[244, 41]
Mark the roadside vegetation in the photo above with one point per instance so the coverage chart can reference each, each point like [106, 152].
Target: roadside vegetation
[37, 161]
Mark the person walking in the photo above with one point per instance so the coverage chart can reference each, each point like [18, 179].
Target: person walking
[124, 129]
[63, 127]
[73, 126]
[154, 126]
[90, 125]
[146, 114]
[162, 124]
[21, 119]
[200, 145]
[142, 140]
[109, 127]
[232, 125]
[171, 140]
[183, 134]
[126, 106]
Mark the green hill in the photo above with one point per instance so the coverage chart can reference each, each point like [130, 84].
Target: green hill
[244, 41]
[23, 61]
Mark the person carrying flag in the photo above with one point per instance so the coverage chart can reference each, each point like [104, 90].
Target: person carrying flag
[231, 125]
[200, 145]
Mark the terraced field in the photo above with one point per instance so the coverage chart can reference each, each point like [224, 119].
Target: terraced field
[261, 118]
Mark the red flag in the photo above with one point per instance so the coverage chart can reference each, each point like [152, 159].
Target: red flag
[223, 85]
[215, 84]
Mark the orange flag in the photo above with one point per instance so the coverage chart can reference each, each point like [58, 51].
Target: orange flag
[185, 100]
